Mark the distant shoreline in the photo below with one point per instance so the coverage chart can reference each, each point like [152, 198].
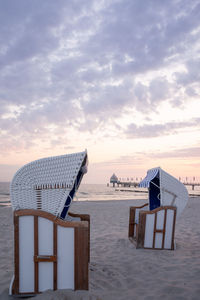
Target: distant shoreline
[133, 191]
[191, 194]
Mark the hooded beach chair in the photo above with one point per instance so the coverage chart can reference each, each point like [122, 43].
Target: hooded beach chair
[51, 245]
[152, 225]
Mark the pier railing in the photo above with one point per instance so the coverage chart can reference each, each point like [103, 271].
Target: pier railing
[192, 184]
[136, 184]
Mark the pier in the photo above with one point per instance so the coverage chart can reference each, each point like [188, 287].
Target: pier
[192, 184]
[127, 183]
[134, 183]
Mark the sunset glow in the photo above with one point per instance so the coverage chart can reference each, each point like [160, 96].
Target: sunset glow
[118, 78]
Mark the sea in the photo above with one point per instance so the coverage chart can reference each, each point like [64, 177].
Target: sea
[86, 192]
[96, 192]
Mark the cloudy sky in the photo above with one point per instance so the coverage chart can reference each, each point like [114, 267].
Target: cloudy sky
[118, 77]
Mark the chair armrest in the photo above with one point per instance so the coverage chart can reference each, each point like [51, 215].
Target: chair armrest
[83, 217]
[139, 207]
[133, 216]
[159, 221]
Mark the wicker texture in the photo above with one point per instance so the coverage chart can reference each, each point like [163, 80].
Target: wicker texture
[46, 183]
[172, 191]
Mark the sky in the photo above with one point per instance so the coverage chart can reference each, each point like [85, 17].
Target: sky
[119, 78]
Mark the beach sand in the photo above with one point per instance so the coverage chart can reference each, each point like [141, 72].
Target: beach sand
[117, 269]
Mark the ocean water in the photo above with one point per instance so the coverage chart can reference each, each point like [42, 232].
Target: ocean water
[95, 192]
[4, 193]
[86, 192]
[101, 192]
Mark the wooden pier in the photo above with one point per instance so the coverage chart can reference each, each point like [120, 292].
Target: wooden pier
[131, 182]
[192, 184]
[136, 184]
[125, 184]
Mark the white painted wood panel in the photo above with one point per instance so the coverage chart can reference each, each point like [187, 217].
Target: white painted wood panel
[169, 228]
[26, 253]
[160, 219]
[45, 276]
[158, 240]
[45, 247]
[148, 239]
[45, 236]
[65, 264]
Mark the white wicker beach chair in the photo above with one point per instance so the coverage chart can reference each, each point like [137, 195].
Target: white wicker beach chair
[48, 184]
[50, 252]
[152, 225]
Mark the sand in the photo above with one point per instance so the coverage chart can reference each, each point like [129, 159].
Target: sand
[117, 269]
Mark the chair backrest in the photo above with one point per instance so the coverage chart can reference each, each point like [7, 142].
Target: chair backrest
[173, 192]
[49, 253]
[164, 190]
[48, 184]
[156, 228]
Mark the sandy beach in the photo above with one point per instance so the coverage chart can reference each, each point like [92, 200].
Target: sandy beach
[117, 269]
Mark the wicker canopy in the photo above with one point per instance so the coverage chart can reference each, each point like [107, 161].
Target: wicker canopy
[48, 184]
[164, 190]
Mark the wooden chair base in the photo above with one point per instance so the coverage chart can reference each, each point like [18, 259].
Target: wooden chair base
[154, 229]
[49, 253]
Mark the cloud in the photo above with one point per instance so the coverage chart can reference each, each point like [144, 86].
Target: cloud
[156, 130]
[82, 65]
[147, 36]
[108, 99]
[191, 75]
[191, 152]
[27, 30]
[141, 158]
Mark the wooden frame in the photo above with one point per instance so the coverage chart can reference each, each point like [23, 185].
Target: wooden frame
[141, 227]
[81, 249]
[84, 217]
[132, 221]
